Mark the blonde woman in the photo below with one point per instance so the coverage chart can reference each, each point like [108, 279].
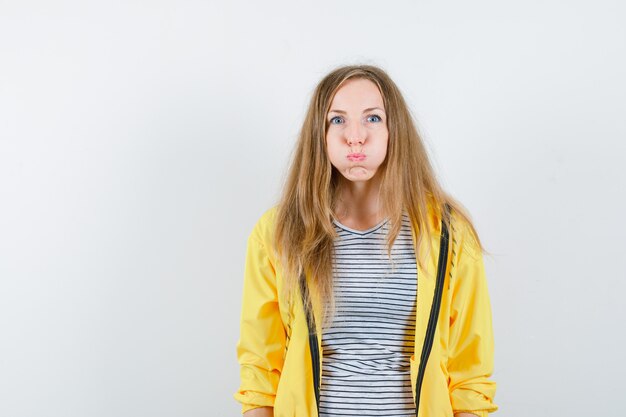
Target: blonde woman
[364, 288]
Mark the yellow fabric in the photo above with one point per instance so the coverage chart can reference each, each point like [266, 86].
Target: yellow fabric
[273, 350]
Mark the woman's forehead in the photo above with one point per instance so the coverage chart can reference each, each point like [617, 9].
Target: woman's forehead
[357, 93]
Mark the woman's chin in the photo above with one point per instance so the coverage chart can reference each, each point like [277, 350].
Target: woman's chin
[358, 174]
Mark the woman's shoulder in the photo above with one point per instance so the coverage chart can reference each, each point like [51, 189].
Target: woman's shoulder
[263, 229]
[464, 236]
[463, 233]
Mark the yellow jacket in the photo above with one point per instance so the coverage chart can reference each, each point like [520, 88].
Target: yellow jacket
[273, 348]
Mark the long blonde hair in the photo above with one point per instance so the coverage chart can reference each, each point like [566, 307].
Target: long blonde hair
[304, 233]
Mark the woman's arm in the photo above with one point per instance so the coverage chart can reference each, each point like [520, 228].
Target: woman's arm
[262, 412]
[470, 342]
[261, 344]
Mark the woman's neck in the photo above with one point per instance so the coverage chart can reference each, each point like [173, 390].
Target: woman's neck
[359, 202]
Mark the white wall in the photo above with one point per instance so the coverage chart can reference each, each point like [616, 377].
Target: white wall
[141, 140]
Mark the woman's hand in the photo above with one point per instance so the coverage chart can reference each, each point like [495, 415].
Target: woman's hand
[264, 412]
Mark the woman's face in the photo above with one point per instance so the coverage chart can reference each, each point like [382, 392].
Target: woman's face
[356, 134]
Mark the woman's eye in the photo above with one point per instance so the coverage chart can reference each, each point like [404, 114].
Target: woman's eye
[374, 118]
[335, 120]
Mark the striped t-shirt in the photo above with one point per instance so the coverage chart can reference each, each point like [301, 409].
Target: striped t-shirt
[365, 367]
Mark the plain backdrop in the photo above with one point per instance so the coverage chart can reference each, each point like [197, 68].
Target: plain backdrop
[141, 140]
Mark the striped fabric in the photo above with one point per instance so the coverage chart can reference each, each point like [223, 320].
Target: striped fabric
[365, 368]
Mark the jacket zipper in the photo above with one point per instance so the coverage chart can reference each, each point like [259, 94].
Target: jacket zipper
[434, 310]
[313, 345]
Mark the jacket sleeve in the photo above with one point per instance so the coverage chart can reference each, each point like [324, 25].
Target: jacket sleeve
[470, 344]
[262, 336]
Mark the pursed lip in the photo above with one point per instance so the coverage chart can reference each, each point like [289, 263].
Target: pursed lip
[357, 156]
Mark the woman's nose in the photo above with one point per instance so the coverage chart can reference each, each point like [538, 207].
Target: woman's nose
[355, 134]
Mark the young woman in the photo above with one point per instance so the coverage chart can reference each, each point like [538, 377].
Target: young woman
[364, 288]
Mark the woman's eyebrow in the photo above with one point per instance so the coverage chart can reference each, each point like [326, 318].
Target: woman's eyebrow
[364, 111]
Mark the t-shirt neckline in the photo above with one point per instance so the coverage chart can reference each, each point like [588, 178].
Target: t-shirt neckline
[361, 232]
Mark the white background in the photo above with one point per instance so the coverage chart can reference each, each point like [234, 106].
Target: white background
[141, 140]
